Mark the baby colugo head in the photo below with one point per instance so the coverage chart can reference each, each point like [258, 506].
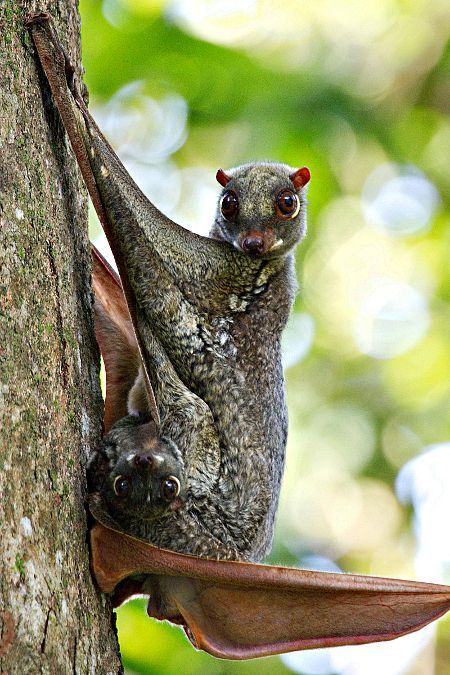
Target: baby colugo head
[137, 473]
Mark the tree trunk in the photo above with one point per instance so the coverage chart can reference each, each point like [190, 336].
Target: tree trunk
[52, 619]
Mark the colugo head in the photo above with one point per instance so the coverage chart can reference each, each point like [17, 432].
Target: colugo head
[261, 209]
[138, 474]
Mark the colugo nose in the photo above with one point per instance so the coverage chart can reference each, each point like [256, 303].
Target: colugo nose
[144, 460]
[253, 243]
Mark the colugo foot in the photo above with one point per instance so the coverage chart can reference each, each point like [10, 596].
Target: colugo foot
[45, 21]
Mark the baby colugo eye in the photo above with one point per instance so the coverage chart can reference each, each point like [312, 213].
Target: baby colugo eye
[287, 204]
[122, 486]
[170, 488]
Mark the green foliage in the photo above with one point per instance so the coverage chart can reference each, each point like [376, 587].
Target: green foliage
[160, 648]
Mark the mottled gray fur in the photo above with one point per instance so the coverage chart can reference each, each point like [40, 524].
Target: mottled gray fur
[210, 318]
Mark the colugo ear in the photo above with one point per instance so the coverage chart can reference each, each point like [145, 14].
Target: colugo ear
[300, 177]
[222, 177]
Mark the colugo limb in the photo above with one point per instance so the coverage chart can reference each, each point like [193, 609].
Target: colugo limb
[212, 308]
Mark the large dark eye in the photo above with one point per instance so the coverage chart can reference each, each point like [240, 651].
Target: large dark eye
[287, 204]
[121, 486]
[170, 488]
[229, 205]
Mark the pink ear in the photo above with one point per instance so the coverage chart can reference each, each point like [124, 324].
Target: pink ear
[222, 177]
[300, 177]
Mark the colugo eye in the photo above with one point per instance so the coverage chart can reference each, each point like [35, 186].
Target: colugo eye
[287, 204]
[229, 205]
[170, 488]
[122, 486]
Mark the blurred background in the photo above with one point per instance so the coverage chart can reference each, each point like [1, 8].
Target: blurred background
[358, 93]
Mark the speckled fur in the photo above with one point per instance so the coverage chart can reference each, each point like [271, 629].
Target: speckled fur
[211, 318]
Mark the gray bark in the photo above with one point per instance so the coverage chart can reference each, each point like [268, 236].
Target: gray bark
[52, 619]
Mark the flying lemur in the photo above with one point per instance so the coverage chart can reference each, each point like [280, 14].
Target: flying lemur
[198, 469]
[208, 315]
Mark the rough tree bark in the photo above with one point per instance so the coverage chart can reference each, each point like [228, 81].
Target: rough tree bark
[52, 620]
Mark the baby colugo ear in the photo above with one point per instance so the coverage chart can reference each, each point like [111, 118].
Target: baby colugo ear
[97, 468]
[300, 177]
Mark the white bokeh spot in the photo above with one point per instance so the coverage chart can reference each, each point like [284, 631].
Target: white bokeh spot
[392, 318]
[399, 200]
[298, 337]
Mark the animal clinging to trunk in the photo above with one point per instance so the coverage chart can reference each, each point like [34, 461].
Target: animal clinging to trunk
[208, 316]
[230, 609]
